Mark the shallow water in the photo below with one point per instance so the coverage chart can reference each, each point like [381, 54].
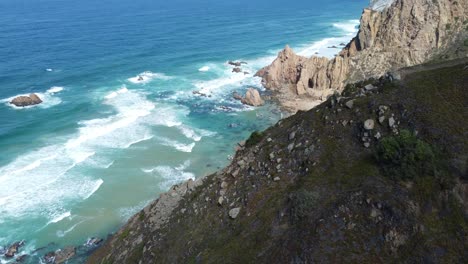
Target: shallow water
[105, 142]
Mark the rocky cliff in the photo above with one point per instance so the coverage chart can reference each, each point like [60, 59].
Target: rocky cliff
[392, 35]
[378, 174]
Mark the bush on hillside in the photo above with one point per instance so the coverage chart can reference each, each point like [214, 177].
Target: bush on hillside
[405, 157]
[254, 138]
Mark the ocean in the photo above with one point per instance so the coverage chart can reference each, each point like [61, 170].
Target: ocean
[120, 122]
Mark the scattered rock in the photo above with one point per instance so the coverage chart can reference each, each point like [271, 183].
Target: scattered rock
[237, 70]
[13, 249]
[235, 63]
[252, 98]
[237, 96]
[350, 104]
[220, 200]
[369, 87]
[366, 144]
[62, 255]
[292, 135]
[233, 213]
[381, 119]
[391, 122]
[276, 179]
[377, 135]
[23, 100]
[369, 124]
[94, 241]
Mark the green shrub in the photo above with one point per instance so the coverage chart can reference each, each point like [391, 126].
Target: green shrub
[465, 43]
[303, 203]
[406, 157]
[254, 138]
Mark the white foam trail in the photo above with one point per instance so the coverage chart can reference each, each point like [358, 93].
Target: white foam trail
[49, 69]
[96, 187]
[61, 233]
[204, 69]
[177, 145]
[144, 138]
[55, 89]
[173, 175]
[127, 212]
[59, 217]
[147, 76]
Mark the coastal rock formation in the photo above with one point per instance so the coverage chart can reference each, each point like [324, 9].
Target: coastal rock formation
[393, 35]
[252, 98]
[22, 100]
[309, 188]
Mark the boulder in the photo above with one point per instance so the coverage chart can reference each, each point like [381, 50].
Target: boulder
[13, 249]
[94, 241]
[233, 213]
[23, 100]
[252, 98]
[62, 255]
[350, 104]
[237, 70]
[369, 124]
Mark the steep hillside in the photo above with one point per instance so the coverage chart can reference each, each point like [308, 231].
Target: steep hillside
[392, 35]
[376, 174]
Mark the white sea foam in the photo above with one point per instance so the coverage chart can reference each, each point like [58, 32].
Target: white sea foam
[147, 76]
[323, 46]
[204, 69]
[175, 144]
[60, 217]
[127, 212]
[96, 186]
[55, 89]
[61, 233]
[173, 175]
[49, 69]
[49, 173]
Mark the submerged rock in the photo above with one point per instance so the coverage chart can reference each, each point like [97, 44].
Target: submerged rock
[23, 100]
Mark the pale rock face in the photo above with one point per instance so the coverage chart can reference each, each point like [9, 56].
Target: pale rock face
[252, 98]
[393, 34]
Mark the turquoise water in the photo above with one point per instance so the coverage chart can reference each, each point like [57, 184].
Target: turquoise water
[105, 143]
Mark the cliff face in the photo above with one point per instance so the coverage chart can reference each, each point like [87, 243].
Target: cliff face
[310, 189]
[405, 33]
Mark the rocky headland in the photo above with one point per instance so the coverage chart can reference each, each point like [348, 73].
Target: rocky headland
[392, 35]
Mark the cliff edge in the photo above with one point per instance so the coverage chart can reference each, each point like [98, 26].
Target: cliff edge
[392, 35]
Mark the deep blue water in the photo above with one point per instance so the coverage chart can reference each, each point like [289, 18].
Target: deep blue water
[102, 145]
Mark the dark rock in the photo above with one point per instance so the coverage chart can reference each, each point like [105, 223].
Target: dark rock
[94, 241]
[237, 70]
[23, 101]
[235, 63]
[237, 96]
[13, 249]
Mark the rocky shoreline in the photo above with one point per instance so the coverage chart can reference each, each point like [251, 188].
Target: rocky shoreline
[405, 33]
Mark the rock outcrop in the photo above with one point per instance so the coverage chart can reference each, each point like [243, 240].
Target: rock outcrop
[252, 97]
[23, 100]
[393, 35]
